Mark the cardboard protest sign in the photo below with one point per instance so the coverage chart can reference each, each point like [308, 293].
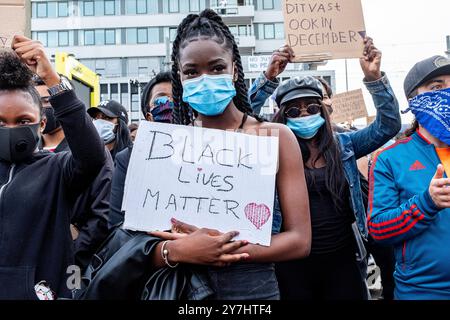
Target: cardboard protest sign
[349, 106]
[324, 30]
[205, 177]
[258, 63]
[12, 20]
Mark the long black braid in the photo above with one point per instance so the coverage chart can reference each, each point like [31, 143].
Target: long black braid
[207, 24]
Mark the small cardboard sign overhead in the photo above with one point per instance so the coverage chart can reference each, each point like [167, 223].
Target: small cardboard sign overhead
[324, 30]
[349, 106]
[205, 177]
[12, 20]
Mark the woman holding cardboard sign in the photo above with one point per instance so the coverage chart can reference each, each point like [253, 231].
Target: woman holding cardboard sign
[331, 271]
[206, 54]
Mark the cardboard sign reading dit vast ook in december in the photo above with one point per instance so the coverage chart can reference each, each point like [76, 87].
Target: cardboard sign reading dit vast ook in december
[205, 177]
[12, 20]
[349, 106]
[324, 30]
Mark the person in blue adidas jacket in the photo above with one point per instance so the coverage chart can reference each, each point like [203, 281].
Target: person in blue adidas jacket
[409, 198]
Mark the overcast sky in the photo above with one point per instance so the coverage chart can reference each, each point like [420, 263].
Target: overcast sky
[407, 31]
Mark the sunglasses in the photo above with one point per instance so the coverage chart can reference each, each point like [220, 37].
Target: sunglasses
[295, 112]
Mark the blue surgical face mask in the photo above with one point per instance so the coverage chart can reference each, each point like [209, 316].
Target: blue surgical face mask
[306, 127]
[105, 130]
[432, 111]
[209, 95]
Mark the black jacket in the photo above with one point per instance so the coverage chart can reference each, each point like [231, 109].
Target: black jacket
[122, 270]
[121, 163]
[35, 205]
[90, 212]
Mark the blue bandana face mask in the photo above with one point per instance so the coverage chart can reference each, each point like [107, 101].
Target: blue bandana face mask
[209, 95]
[432, 111]
[162, 110]
[306, 127]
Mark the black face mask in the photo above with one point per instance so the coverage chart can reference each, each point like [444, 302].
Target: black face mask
[52, 122]
[19, 143]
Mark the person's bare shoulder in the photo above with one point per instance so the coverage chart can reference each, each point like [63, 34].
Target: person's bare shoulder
[267, 128]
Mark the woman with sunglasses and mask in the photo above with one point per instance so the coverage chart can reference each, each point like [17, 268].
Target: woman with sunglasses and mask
[336, 267]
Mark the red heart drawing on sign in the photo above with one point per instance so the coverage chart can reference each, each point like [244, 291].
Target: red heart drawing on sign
[199, 169]
[257, 214]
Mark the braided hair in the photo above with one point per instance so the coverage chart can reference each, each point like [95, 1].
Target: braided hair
[207, 24]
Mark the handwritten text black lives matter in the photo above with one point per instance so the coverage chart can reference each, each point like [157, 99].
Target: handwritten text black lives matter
[162, 148]
[312, 24]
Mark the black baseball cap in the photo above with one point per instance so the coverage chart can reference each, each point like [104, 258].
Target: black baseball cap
[298, 87]
[424, 71]
[110, 108]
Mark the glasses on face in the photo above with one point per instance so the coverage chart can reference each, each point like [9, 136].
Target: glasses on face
[295, 112]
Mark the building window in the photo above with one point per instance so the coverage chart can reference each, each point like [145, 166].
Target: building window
[243, 30]
[142, 35]
[110, 36]
[42, 10]
[52, 39]
[51, 10]
[99, 8]
[63, 9]
[63, 38]
[153, 35]
[174, 6]
[134, 98]
[113, 67]
[152, 6]
[89, 38]
[194, 5]
[42, 37]
[233, 30]
[130, 6]
[104, 96]
[269, 31]
[172, 34]
[141, 7]
[100, 66]
[114, 91]
[88, 8]
[131, 36]
[124, 94]
[99, 37]
[268, 4]
[279, 31]
[110, 7]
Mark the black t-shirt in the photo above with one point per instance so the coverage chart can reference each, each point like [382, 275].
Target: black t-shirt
[331, 226]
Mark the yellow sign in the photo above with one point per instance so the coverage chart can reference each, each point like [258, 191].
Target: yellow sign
[70, 67]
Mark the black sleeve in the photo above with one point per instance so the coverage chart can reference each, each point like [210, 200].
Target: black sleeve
[87, 150]
[117, 188]
[92, 209]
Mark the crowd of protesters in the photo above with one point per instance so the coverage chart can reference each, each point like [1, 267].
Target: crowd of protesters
[63, 170]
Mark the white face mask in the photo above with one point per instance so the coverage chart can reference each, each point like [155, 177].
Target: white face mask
[105, 130]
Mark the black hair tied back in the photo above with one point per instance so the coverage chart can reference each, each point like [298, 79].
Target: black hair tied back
[15, 75]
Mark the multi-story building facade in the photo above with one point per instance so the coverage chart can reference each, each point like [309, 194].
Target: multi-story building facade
[128, 41]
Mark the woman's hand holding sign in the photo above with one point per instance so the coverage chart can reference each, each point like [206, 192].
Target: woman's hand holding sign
[279, 61]
[189, 244]
[371, 62]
